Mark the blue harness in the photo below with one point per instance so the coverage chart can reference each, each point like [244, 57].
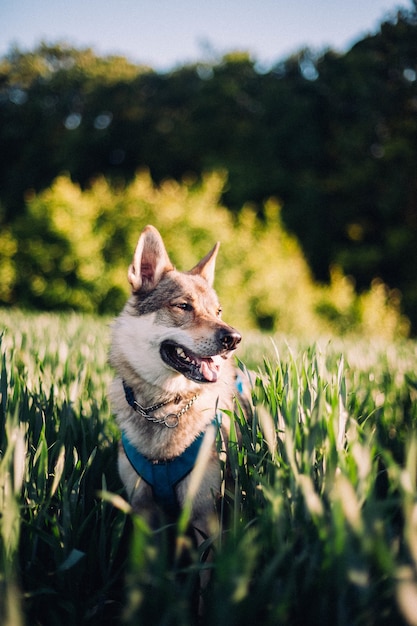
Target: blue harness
[162, 476]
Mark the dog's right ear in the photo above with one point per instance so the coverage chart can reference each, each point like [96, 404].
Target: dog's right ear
[150, 261]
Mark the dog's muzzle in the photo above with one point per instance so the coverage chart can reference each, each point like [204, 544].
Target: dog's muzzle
[200, 368]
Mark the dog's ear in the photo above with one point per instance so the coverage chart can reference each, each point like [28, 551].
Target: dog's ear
[150, 261]
[207, 265]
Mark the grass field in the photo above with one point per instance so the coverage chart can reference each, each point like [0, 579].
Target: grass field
[322, 520]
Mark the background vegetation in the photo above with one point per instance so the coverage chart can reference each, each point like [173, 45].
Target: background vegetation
[323, 517]
[331, 138]
[73, 249]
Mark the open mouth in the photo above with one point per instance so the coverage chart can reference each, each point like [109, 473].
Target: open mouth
[199, 369]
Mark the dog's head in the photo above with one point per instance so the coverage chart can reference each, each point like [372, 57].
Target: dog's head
[172, 322]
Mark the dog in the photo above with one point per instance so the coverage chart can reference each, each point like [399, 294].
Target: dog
[171, 352]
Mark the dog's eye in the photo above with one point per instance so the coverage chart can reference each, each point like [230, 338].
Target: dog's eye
[219, 311]
[185, 306]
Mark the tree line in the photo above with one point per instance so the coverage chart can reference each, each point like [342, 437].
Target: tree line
[332, 137]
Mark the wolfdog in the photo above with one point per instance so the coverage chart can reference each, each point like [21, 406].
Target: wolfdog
[170, 350]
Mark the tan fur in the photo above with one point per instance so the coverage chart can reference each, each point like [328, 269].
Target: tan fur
[182, 309]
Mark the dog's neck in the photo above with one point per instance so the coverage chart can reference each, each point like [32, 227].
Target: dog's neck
[170, 420]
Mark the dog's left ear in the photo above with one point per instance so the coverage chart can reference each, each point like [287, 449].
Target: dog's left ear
[150, 261]
[207, 265]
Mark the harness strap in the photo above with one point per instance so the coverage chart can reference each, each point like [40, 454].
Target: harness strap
[162, 476]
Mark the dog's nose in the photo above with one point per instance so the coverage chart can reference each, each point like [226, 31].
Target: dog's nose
[229, 339]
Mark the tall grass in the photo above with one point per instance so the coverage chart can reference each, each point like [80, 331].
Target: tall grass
[320, 526]
[58, 449]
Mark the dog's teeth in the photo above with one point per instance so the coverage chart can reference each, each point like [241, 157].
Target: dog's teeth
[182, 355]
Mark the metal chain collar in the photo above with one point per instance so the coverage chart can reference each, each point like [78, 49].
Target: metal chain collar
[170, 421]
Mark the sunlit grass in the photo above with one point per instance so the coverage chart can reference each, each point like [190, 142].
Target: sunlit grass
[319, 526]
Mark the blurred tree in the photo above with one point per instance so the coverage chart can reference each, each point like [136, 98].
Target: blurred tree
[370, 184]
[333, 138]
[52, 116]
[73, 248]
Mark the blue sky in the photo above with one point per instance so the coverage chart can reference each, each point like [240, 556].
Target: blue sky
[167, 33]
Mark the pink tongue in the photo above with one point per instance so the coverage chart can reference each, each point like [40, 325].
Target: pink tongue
[209, 369]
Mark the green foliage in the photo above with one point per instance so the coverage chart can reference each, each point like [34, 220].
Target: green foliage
[72, 249]
[65, 64]
[322, 513]
[8, 249]
[376, 312]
